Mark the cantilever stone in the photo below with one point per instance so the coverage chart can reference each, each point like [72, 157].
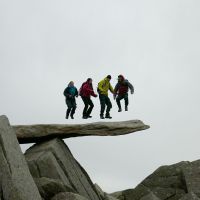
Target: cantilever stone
[42, 132]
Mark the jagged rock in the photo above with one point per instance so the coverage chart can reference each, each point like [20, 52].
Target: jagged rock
[16, 182]
[130, 194]
[191, 175]
[48, 188]
[103, 194]
[68, 196]
[55, 156]
[150, 196]
[190, 196]
[39, 133]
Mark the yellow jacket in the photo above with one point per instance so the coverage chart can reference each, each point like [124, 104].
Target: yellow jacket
[104, 86]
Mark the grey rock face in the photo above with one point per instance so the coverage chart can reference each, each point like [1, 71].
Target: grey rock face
[103, 194]
[190, 196]
[150, 196]
[48, 188]
[54, 160]
[68, 196]
[180, 181]
[15, 179]
[191, 175]
[39, 133]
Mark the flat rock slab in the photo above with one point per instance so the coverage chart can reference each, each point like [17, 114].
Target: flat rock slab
[16, 182]
[43, 132]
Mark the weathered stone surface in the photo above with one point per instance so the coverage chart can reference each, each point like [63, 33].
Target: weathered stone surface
[130, 194]
[103, 194]
[150, 196]
[16, 182]
[68, 196]
[48, 188]
[39, 133]
[190, 196]
[54, 160]
[191, 175]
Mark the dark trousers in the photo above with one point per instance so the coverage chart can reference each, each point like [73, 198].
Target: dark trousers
[88, 106]
[71, 104]
[120, 97]
[105, 101]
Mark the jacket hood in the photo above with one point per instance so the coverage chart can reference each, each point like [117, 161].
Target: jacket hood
[123, 78]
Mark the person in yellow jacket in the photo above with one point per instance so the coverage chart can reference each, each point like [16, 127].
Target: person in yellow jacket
[103, 88]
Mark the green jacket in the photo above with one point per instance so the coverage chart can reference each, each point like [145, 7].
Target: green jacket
[104, 86]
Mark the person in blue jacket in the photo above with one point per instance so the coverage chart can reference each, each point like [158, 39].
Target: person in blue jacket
[70, 94]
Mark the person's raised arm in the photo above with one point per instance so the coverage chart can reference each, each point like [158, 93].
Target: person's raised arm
[131, 87]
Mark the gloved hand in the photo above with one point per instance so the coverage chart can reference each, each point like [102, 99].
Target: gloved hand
[132, 92]
[96, 96]
[114, 96]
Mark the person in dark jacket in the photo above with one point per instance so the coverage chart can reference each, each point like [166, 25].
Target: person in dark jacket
[86, 91]
[121, 92]
[70, 93]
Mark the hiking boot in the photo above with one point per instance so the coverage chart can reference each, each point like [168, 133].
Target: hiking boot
[108, 116]
[89, 116]
[120, 110]
[102, 117]
[84, 117]
[72, 117]
[126, 108]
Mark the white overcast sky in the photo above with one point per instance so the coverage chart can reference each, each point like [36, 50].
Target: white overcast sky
[44, 44]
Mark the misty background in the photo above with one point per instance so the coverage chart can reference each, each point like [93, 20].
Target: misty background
[154, 44]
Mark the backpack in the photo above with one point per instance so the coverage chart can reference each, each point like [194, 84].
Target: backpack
[65, 92]
[81, 90]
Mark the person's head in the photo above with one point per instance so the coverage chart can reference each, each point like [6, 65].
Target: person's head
[120, 78]
[89, 80]
[71, 84]
[109, 77]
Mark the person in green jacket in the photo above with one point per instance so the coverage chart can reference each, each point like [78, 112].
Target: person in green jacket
[103, 88]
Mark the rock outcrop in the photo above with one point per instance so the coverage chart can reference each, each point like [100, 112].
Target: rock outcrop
[16, 182]
[54, 160]
[39, 133]
[175, 182]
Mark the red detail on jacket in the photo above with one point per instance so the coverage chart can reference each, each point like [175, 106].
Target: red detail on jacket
[87, 90]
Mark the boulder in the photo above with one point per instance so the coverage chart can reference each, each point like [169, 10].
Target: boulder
[48, 188]
[53, 159]
[68, 196]
[16, 182]
[43, 132]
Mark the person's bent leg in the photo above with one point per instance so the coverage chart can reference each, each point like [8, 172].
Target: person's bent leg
[69, 105]
[89, 111]
[85, 107]
[73, 108]
[109, 106]
[118, 99]
[103, 105]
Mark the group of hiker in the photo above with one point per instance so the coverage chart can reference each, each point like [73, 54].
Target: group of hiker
[86, 91]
